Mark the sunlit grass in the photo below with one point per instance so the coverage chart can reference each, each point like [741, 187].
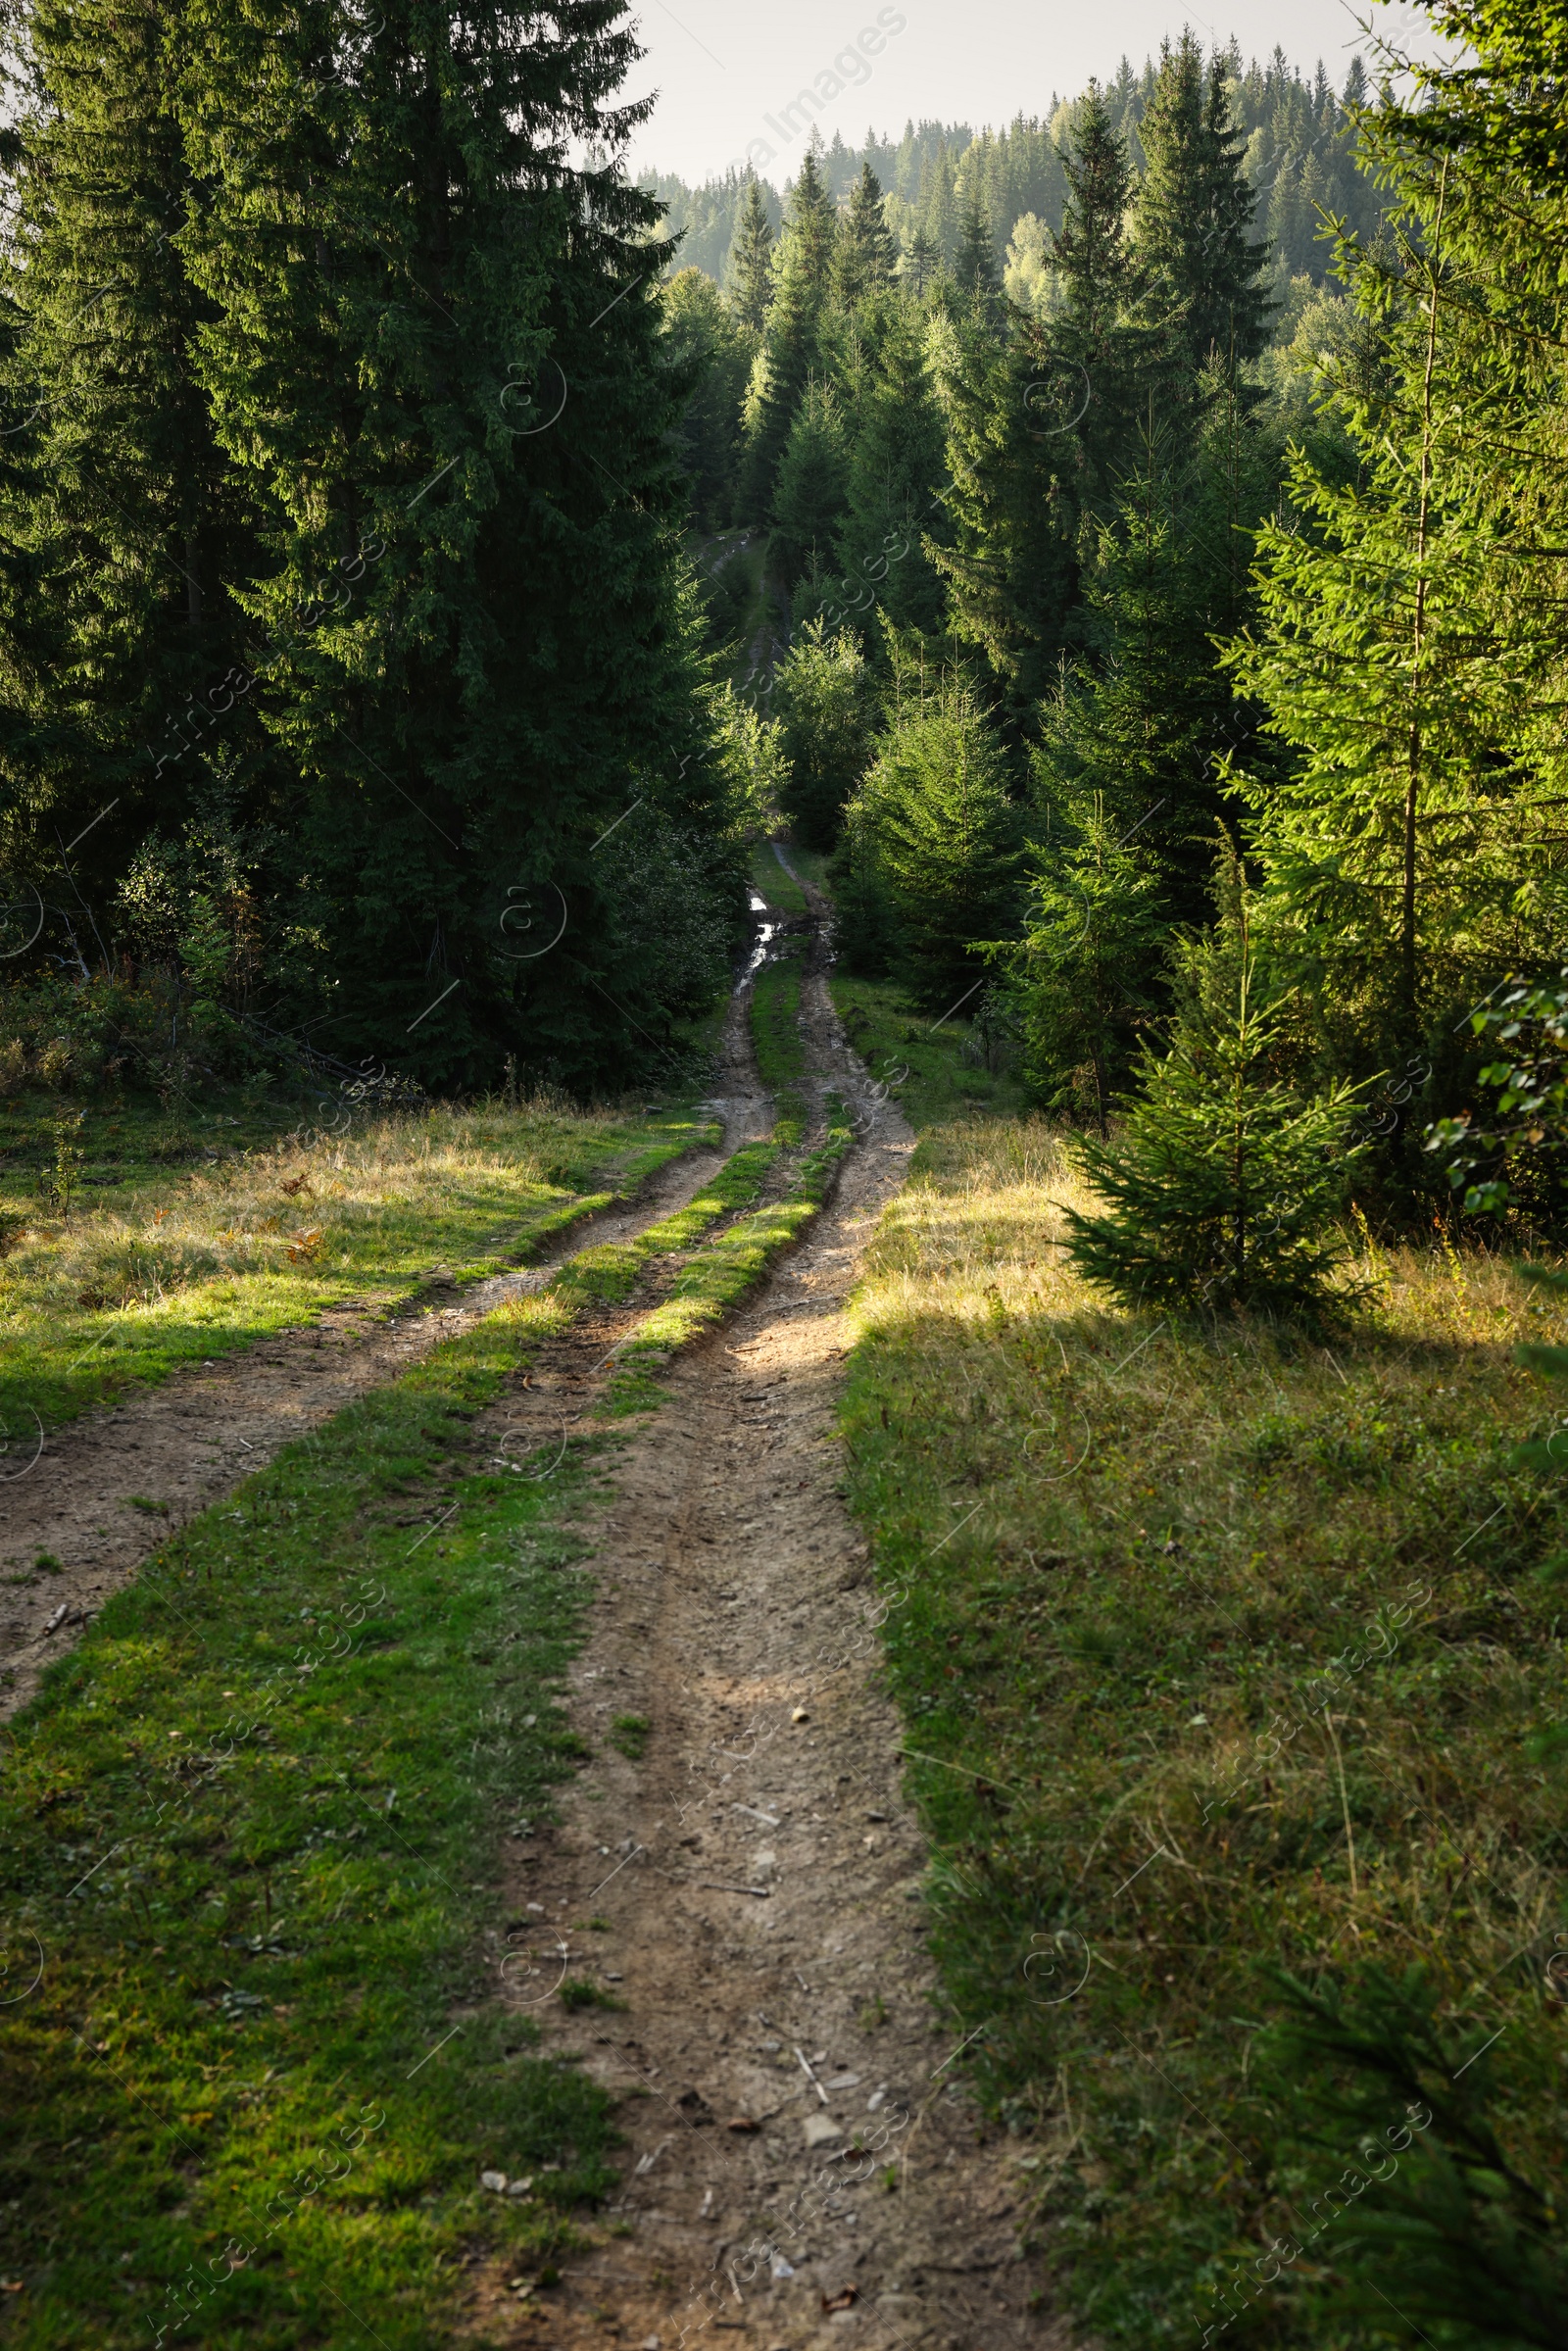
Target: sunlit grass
[1228, 1647]
[718, 1276]
[775, 882]
[250, 1826]
[214, 1258]
[935, 1068]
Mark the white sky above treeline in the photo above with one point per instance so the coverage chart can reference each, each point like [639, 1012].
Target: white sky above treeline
[728, 73]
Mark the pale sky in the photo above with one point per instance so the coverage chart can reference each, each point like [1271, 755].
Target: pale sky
[728, 71]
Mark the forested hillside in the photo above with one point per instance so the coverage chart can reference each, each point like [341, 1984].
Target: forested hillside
[1177, 642]
[1298, 159]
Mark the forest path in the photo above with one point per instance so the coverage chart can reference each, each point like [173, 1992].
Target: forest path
[185, 1445]
[747, 1887]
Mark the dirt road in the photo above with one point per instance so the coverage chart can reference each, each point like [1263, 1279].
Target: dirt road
[804, 2166]
[736, 1875]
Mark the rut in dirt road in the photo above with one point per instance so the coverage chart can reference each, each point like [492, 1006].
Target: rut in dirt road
[804, 2167]
[185, 1444]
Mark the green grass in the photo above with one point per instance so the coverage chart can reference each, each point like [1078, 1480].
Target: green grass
[811, 865]
[250, 1824]
[204, 1263]
[1219, 1653]
[611, 1270]
[922, 1062]
[131, 1146]
[715, 1280]
[629, 1734]
[780, 889]
[776, 1039]
[577, 1992]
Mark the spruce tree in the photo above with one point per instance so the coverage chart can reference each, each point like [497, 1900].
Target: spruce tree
[435, 353]
[1410, 644]
[1223, 1187]
[896, 467]
[704, 335]
[922, 260]
[1085, 979]
[1405, 656]
[1008, 554]
[812, 477]
[803, 269]
[1195, 220]
[974, 267]
[750, 265]
[934, 819]
[865, 252]
[1101, 356]
[1148, 718]
[938, 211]
[124, 521]
[822, 700]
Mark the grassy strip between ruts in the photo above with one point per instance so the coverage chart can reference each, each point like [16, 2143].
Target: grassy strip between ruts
[1222, 1653]
[613, 1270]
[108, 1299]
[776, 1040]
[775, 881]
[713, 1282]
[243, 1877]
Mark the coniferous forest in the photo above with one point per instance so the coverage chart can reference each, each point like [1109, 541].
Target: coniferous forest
[806, 934]
[1111, 538]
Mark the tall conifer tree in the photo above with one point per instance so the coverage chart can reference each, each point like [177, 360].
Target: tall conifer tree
[865, 254]
[1195, 220]
[921, 261]
[1411, 643]
[895, 475]
[804, 277]
[1009, 556]
[122, 519]
[750, 279]
[1102, 355]
[974, 268]
[434, 353]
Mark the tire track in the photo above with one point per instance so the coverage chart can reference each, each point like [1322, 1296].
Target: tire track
[186, 1443]
[803, 2167]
